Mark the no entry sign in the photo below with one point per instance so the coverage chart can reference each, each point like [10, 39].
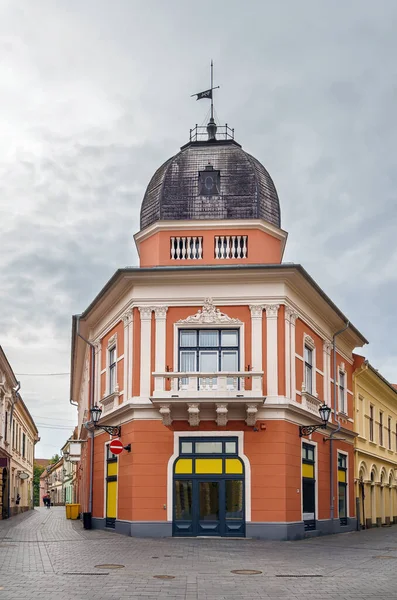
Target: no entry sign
[116, 447]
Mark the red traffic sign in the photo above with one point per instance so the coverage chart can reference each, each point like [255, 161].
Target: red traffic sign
[116, 447]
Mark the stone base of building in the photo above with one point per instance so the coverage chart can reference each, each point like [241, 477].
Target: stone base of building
[16, 510]
[263, 531]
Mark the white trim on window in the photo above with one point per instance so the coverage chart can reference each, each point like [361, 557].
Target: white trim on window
[342, 371]
[309, 343]
[111, 345]
[238, 326]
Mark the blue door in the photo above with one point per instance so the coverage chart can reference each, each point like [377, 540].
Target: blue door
[208, 495]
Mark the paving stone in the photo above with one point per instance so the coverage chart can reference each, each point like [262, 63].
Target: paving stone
[44, 556]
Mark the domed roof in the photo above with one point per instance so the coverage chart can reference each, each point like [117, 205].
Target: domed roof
[241, 186]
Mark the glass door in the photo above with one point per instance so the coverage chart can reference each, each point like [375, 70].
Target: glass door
[208, 363]
[208, 508]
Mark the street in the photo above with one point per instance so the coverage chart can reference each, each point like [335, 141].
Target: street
[44, 556]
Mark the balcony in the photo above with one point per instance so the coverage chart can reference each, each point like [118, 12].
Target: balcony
[214, 393]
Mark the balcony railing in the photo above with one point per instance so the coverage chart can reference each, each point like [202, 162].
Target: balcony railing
[231, 384]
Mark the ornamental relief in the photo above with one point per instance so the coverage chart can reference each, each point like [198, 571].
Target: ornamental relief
[211, 315]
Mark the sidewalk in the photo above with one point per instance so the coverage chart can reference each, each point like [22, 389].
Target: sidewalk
[45, 556]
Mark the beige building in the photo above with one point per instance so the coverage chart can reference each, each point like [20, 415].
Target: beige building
[18, 436]
[54, 480]
[375, 446]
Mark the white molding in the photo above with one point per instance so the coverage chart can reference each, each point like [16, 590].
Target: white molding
[146, 349]
[256, 337]
[308, 342]
[175, 455]
[272, 348]
[160, 313]
[209, 314]
[212, 224]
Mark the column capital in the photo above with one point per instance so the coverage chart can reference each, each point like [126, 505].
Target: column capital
[97, 346]
[290, 314]
[146, 312]
[127, 317]
[271, 310]
[327, 347]
[256, 311]
[160, 312]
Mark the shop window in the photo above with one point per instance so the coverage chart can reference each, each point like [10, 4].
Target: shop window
[308, 487]
[342, 488]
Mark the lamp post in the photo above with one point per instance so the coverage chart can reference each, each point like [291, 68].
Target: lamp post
[96, 412]
[325, 412]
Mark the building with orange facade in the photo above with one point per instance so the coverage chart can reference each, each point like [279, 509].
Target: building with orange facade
[207, 360]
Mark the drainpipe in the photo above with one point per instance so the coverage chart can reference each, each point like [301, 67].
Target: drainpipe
[91, 404]
[336, 420]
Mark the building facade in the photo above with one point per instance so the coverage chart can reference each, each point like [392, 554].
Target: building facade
[376, 445]
[18, 436]
[210, 356]
[52, 482]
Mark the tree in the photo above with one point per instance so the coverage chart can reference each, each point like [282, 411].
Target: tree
[54, 459]
[37, 471]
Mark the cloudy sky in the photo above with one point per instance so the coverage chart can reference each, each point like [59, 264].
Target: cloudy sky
[95, 95]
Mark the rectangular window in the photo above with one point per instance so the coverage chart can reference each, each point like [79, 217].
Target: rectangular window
[6, 427]
[23, 445]
[396, 437]
[371, 423]
[380, 428]
[389, 432]
[112, 370]
[308, 370]
[308, 487]
[13, 434]
[209, 351]
[342, 402]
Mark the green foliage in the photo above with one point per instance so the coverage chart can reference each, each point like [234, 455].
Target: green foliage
[54, 459]
[37, 471]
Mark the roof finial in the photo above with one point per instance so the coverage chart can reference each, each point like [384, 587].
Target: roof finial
[211, 127]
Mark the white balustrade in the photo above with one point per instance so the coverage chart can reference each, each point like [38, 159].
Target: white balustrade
[205, 384]
[183, 248]
[231, 246]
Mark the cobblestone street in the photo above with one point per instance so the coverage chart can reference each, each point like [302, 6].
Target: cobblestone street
[45, 556]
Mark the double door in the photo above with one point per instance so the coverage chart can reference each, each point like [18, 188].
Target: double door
[209, 506]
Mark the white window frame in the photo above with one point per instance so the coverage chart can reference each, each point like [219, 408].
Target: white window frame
[197, 326]
[111, 345]
[342, 409]
[308, 342]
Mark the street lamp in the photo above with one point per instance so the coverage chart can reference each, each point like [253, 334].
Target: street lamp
[325, 412]
[96, 412]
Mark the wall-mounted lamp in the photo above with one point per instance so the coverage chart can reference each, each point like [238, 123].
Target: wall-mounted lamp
[96, 412]
[325, 412]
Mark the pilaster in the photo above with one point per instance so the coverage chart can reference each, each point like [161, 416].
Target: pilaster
[146, 347]
[160, 313]
[272, 361]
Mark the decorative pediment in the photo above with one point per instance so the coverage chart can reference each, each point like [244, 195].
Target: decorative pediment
[211, 315]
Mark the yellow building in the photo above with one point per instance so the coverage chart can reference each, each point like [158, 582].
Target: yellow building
[375, 446]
